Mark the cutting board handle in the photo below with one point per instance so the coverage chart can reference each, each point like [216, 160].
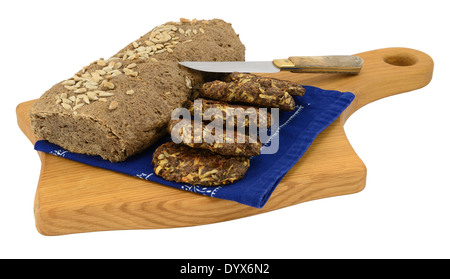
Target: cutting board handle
[388, 72]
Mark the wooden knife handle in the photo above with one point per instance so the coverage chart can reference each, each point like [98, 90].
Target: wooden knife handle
[346, 64]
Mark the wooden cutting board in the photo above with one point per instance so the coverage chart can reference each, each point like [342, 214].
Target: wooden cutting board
[73, 198]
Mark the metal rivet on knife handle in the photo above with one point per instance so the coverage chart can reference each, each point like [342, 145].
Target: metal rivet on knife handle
[321, 64]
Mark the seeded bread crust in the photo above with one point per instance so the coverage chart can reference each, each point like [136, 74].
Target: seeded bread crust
[117, 107]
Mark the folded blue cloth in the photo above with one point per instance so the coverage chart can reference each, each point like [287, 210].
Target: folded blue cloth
[313, 112]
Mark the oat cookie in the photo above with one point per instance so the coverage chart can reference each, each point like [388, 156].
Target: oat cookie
[292, 88]
[250, 93]
[180, 163]
[238, 145]
[240, 112]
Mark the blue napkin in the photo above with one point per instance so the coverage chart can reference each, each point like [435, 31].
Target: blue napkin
[313, 112]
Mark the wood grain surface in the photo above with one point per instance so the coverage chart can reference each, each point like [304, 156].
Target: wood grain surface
[87, 199]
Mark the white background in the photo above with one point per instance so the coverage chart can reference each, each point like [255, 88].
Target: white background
[404, 140]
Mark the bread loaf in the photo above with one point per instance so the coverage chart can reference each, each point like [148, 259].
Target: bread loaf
[120, 106]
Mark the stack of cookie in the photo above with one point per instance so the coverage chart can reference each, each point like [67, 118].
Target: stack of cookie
[206, 161]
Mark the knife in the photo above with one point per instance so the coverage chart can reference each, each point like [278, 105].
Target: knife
[346, 64]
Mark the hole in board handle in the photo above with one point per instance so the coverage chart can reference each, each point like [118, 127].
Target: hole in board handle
[402, 59]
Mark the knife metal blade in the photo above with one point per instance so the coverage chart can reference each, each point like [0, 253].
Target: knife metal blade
[235, 66]
[300, 64]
